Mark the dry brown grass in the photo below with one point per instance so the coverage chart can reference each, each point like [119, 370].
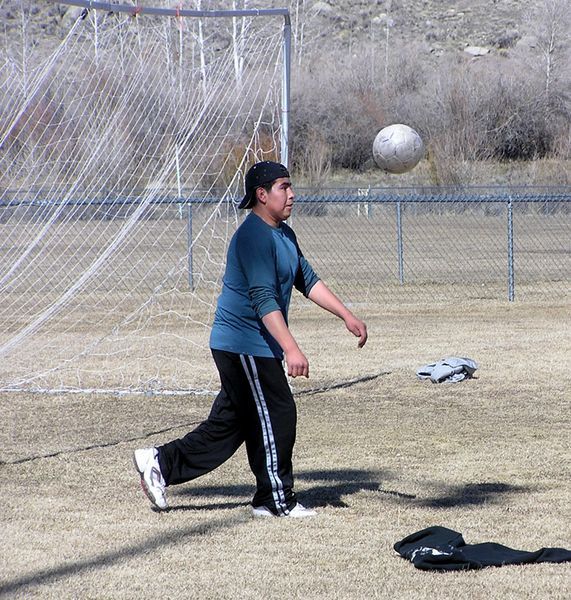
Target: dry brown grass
[379, 459]
[118, 330]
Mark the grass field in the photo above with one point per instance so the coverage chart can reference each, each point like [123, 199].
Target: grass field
[379, 459]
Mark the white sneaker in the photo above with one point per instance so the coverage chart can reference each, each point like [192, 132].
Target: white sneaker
[297, 512]
[152, 482]
[262, 511]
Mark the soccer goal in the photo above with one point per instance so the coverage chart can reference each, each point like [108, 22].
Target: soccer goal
[123, 145]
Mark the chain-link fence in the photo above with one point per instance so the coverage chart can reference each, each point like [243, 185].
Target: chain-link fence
[100, 294]
[406, 245]
[369, 244]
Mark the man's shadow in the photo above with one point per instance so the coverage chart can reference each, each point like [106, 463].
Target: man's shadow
[329, 488]
[321, 488]
[334, 487]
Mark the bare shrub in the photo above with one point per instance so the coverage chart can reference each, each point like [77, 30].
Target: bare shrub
[466, 109]
[315, 166]
[237, 154]
[506, 39]
[516, 124]
[342, 107]
[562, 141]
[480, 110]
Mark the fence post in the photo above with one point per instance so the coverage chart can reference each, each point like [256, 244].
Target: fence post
[511, 277]
[189, 242]
[399, 242]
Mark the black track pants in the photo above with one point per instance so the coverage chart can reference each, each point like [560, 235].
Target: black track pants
[255, 406]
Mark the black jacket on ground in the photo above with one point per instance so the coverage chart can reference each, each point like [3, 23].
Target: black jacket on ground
[441, 549]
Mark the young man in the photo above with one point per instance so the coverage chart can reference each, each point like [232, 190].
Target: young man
[249, 340]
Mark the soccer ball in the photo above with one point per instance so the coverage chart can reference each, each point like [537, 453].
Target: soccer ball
[397, 148]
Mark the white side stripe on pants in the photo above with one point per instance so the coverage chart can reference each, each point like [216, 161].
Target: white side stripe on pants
[267, 434]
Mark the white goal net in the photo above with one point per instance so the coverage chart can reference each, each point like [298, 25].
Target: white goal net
[123, 144]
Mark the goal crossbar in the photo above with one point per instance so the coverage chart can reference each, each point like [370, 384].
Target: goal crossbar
[179, 12]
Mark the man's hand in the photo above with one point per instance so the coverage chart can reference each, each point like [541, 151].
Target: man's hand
[324, 297]
[357, 328]
[297, 363]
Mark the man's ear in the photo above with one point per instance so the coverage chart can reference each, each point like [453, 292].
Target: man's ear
[261, 195]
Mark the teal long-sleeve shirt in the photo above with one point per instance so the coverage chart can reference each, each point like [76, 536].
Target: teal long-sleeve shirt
[263, 265]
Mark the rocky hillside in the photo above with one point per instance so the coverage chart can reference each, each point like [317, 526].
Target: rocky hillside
[439, 25]
[322, 28]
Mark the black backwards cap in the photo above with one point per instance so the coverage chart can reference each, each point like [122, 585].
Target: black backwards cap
[258, 175]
